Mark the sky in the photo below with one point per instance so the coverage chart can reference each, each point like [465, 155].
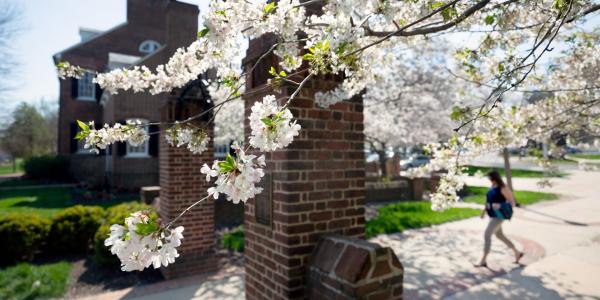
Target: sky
[49, 26]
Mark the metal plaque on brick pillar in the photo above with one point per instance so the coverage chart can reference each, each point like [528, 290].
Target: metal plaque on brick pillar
[263, 203]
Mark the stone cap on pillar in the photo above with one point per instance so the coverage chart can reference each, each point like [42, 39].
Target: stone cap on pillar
[348, 268]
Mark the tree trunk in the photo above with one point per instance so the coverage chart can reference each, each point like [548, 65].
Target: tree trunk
[382, 160]
[507, 170]
[14, 165]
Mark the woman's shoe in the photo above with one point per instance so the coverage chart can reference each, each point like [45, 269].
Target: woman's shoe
[521, 254]
[481, 265]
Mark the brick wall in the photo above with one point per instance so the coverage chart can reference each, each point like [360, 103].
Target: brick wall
[318, 187]
[182, 184]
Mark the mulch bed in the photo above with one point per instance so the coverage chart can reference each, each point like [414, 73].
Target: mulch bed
[87, 278]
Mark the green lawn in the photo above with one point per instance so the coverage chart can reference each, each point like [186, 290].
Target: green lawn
[43, 201]
[476, 194]
[586, 156]
[7, 168]
[414, 214]
[29, 281]
[471, 170]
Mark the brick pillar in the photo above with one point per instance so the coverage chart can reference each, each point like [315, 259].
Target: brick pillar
[314, 187]
[182, 184]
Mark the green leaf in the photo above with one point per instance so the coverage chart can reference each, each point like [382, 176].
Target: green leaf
[308, 56]
[448, 13]
[269, 7]
[83, 126]
[435, 5]
[221, 12]
[202, 33]
[272, 71]
[489, 20]
[267, 121]
[456, 113]
[228, 165]
[230, 159]
[225, 167]
[500, 67]
[80, 135]
[145, 229]
[282, 74]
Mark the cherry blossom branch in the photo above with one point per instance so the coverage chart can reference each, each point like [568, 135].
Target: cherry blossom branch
[186, 211]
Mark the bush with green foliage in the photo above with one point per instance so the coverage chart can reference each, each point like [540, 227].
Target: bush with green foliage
[29, 281]
[22, 236]
[73, 228]
[234, 240]
[114, 215]
[47, 167]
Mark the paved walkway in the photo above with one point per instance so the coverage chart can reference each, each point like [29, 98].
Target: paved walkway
[561, 239]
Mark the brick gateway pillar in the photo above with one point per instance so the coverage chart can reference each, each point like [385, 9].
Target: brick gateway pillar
[312, 188]
[181, 185]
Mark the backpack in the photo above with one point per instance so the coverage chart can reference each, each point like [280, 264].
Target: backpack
[505, 211]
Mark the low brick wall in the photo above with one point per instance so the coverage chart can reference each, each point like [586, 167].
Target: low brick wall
[397, 189]
[348, 268]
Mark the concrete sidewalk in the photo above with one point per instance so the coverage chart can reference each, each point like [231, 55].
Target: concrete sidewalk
[561, 240]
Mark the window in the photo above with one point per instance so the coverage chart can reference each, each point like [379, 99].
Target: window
[141, 150]
[149, 46]
[80, 144]
[86, 89]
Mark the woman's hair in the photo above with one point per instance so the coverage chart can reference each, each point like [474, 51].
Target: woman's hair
[495, 177]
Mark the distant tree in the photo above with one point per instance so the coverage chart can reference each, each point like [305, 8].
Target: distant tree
[20, 138]
[10, 15]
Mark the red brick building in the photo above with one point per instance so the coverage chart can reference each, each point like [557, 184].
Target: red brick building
[154, 29]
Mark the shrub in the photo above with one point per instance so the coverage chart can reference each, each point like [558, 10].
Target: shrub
[114, 215]
[73, 229]
[234, 240]
[22, 236]
[47, 167]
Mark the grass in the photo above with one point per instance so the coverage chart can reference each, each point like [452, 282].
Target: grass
[7, 168]
[471, 170]
[476, 194]
[414, 214]
[29, 281]
[585, 156]
[42, 201]
[234, 240]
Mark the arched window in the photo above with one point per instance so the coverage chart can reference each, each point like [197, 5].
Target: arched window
[149, 46]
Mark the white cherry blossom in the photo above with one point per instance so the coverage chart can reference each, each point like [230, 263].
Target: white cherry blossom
[271, 126]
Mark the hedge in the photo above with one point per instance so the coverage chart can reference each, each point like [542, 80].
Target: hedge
[22, 236]
[47, 167]
[73, 229]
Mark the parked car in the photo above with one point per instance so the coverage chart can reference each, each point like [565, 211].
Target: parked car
[414, 162]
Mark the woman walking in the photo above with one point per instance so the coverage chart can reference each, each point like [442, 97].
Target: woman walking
[499, 193]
